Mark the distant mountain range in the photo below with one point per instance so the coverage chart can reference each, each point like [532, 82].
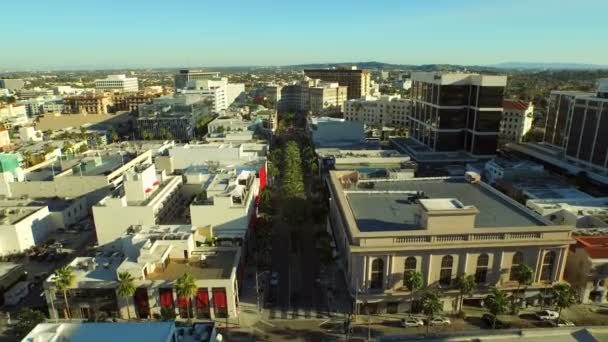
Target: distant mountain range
[549, 66]
[453, 67]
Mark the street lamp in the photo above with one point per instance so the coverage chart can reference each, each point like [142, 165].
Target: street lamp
[257, 289]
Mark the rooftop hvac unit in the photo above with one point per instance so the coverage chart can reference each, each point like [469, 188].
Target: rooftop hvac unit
[472, 177]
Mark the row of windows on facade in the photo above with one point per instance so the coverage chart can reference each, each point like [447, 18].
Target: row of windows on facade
[447, 264]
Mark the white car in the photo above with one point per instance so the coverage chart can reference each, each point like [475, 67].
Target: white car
[562, 323]
[274, 279]
[440, 321]
[411, 322]
[546, 315]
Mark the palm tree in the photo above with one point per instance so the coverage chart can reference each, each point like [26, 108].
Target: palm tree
[564, 296]
[126, 289]
[431, 305]
[523, 276]
[466, 285]
[186, 287]
[64, 279]
[496, 302]
[413, 282]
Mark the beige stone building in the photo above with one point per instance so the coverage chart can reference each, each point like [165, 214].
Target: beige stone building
[587, 268]
[327, 98]
[88, 104]
[441, 227]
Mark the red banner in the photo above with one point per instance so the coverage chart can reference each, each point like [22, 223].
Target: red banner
[202, 299]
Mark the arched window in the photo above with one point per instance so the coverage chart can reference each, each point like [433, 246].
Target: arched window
[518, 260]
[445, 274]
[377, 273]
[410, 266]
[546, 272]
[481, 272]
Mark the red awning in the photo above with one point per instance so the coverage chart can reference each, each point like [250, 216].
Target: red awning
[202, 299]
[182, 302]
[148, 190]
[166, 299]
[155, 183]
[219, 299]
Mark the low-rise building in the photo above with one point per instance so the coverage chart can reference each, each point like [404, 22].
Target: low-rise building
[517, 118]
[181, 157]
[498, 169]
[145, 197]
[29, 134]
[581, 213]
[386, 110]
[442, 228]
[22, 227]
[333, 132]
[87, 104]
[369, 163]
[171, 117]
[587, 268]
[131, 101]
[91, 175]
[117, 83]
[156, 256]
[12, 83]
[122, 332]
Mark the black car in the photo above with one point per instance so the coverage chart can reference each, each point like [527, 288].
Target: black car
[488, 319]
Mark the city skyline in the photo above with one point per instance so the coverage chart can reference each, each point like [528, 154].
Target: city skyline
[70, 35]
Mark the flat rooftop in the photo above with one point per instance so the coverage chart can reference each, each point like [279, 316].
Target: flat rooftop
[95, 269]
[217, 266]
[101, 332]
[376, 211]
[108, 164]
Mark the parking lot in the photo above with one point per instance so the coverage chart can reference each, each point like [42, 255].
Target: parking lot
[40, 262]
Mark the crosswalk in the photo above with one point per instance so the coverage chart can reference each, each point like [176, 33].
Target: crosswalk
[298, 313]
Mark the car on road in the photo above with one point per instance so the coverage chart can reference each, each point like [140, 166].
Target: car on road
[411, 322]
[437, 321]
[488, 319]
[562, 323]
[274, 279]
[546, 315]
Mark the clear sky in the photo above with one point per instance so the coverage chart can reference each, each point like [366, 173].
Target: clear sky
[73, 34]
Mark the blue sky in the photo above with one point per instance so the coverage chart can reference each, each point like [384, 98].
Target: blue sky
[45, 34]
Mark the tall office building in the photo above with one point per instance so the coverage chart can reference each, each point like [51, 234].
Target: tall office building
[577, 123]
[457, 112]
[357, 81]
[183, 76]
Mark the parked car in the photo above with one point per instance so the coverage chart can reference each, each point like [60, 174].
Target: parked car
[411, 322]
[546, 315]
[274, 279]
[439, 321]
[488, 319]
[562, 323]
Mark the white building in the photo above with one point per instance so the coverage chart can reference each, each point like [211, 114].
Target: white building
[227, 202]
[577, 212]
[117, 82]
[13, 115]
[516, 120]
[224, 154]
[156, 256]
[145, 197]
[219, 92]
[29, 133]
[386, 110]
[22, 227]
